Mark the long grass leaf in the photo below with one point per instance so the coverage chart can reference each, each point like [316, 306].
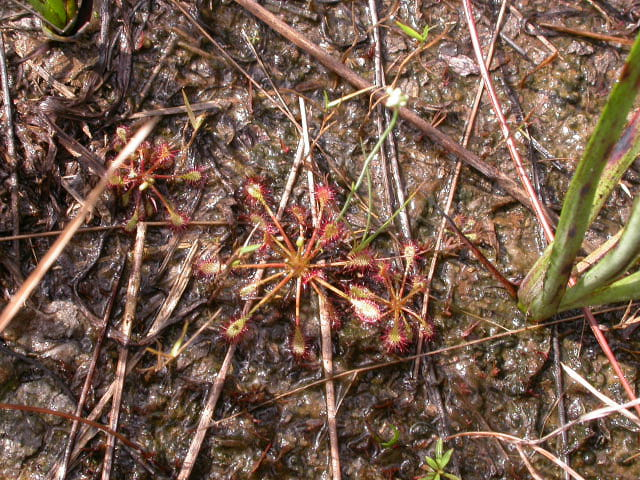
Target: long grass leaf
[623, 290]
[576, 210]
[620, 159]
[615, 264]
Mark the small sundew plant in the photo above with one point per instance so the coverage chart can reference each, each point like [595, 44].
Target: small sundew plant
[136, 180]
[398, 302]
[295, 253]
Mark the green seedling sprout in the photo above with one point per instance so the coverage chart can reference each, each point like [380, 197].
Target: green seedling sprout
[610, 151]
[438, 465]
[393, 441]
[410, 32]
[336, 103]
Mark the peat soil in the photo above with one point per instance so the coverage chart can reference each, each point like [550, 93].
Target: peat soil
[68, 99]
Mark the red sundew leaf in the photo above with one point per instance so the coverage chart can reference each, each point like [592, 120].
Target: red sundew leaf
[410, 252]
[360, 291]
[179, 220]
[164, 155]
[256, 191]
[331, 232]
[395, 339]
[122, 136]
[367, 310]
[192, 177]
[426, 329]
[300, 214]
[299, 343]
[325, 195]
[361, 261]
[209, 267]
[235, 329]
[384, 272]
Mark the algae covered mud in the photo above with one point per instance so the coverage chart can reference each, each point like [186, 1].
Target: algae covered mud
[270, 420]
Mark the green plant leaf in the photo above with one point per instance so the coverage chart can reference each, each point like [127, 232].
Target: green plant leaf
[619, 160]
[394, 439]
[439, 448]
[432, 463]
[623, 290]
[574, 218]
[411, 32]
[445, 458]
[614, 265]
[58, 13]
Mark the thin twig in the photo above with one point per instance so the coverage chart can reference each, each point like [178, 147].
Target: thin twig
[168, 50]
[62, 470]
[235, 64]
[206, 415]
[388, 155]
[587, 34]
[164, 317]
[161, 223]
[325, 321]
[327, 366]
[123, 351]
[86, 433]
[453, 183]
[538, 208]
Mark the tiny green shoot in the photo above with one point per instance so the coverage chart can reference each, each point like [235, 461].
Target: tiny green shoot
[393, 440]
[437, 466]
[410, 32]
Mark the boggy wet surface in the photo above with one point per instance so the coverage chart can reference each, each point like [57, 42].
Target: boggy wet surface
[67, 96]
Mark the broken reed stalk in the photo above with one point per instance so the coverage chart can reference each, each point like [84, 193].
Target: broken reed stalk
[62, 469]
[123, 350]
[327, 367]
[325, 321]
[12, 158]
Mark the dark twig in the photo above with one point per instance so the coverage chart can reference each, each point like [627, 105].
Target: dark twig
[389, 153]
[509, 286]
[99, 426]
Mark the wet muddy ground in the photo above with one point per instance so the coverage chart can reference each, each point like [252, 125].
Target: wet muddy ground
[69, 99]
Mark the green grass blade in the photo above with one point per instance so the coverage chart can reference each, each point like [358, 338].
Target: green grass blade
[574, 218]
[615, 264]
[622, 156]
[365, 166]
[623, 290]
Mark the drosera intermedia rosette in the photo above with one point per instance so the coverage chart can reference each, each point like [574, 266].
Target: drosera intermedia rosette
[142, 178]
